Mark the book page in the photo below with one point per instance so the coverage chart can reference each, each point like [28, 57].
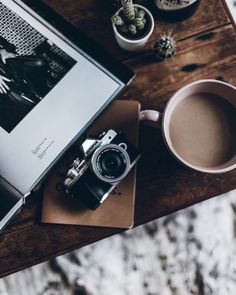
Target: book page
[49, 91]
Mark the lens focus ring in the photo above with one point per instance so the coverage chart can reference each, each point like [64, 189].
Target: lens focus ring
[110, 163]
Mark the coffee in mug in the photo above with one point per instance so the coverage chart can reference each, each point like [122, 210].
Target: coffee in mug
[199, 125]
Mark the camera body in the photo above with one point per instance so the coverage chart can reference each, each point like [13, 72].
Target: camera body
[102, 164]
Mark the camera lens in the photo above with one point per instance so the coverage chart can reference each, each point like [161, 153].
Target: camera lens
[111, 163]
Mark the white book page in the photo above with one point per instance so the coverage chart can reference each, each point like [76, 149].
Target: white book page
[29, 148]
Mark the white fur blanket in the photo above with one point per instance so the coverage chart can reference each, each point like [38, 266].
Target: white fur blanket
[189, 252]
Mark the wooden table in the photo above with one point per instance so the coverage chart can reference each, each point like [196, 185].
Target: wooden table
[206, 49]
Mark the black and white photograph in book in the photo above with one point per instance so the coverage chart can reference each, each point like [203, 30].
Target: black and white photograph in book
[30, 67]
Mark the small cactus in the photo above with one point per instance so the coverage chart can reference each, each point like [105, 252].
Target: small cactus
[140, 14]
[117, 20]
[128, 8]
[140, 23]
[165, 47]
[132, 19]
[132, 29]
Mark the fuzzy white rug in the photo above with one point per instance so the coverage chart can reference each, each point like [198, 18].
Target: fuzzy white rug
[190, 252]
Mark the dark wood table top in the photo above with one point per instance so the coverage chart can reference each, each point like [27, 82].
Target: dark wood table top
[206, 48]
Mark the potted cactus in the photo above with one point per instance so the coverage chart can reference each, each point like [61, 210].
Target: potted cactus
[133, 24]
[165, 47]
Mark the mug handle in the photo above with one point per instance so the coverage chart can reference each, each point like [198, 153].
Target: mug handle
[151, 118]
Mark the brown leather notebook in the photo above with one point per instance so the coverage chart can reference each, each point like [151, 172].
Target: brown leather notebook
[118, 208]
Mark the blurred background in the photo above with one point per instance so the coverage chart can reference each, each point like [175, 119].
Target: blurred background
[190, 252]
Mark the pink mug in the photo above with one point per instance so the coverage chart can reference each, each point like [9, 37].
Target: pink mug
[199, 125]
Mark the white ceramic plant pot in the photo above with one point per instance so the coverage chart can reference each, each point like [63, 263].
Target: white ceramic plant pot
[136, 44]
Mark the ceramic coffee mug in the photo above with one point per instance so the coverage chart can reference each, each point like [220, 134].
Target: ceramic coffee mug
[199, 125]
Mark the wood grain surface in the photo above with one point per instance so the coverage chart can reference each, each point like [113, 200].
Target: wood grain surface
[205, 49]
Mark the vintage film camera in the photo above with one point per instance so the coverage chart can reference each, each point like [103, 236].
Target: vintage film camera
[103, 163]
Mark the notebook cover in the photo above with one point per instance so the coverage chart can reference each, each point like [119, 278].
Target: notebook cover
[118, 208]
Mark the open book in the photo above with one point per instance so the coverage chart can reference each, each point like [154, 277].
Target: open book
[53, 83]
